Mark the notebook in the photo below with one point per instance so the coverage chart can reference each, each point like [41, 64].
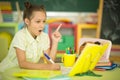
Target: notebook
[41, 75]
[37, 73]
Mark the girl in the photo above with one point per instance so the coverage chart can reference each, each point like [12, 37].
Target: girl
[29, 43]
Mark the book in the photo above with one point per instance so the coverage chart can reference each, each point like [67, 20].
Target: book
[5, 5]
[107, 67]
[104, 63]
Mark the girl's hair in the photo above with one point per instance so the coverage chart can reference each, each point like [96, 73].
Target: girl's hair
[29, 9]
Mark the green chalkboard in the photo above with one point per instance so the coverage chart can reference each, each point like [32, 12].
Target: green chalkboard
[110, 24]
[62, 5]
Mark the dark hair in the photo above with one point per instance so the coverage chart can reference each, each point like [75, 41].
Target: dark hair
[30, 8]
[97, 42]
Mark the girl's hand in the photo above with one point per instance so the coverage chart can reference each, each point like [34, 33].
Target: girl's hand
[54, 67]
[56, 36]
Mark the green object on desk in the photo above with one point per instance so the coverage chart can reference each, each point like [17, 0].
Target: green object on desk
[26, 78]
[88, 73]
[59, 77]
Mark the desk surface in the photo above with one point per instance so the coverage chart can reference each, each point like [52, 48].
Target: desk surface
[106, 75]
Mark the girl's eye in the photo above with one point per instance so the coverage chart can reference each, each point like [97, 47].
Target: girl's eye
[44, 21]
[38, 21]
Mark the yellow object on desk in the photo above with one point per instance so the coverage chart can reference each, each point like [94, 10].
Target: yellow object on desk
[88, 58]
[68, 59]
[37, 73]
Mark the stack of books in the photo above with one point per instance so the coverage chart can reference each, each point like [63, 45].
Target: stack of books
[108, 63]
[6, 11]
[105, 66]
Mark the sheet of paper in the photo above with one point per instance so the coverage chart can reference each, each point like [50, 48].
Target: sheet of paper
[37, 73]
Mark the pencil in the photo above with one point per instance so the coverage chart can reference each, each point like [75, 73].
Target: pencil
[49, 58]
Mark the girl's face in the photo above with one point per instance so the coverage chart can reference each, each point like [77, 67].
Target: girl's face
[36, 24]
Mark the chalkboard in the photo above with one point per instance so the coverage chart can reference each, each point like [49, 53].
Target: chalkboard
[110, 21]
[62, 5]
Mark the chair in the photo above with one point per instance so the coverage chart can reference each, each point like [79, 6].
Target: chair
[3, 48]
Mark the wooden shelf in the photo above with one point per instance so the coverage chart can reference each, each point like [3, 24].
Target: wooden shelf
[9, 27]
[80, 28]
[9, 24]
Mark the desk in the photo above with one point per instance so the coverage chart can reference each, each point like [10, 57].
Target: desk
[106, 75]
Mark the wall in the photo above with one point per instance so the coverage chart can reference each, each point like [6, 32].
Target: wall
[62, 5]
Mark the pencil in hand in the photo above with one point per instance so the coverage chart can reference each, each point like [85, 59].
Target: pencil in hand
[49, 58]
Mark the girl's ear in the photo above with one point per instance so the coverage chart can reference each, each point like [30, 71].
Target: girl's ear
[26, 21]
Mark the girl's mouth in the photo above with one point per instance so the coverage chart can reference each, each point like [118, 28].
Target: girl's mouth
[40, 30]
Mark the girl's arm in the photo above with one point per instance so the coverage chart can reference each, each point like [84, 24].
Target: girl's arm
[55, 39]
[23, 63]
[56, 36]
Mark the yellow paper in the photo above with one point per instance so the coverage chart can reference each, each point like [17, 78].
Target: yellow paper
[37, 73]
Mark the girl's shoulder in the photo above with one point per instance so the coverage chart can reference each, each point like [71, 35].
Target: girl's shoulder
[20, 33]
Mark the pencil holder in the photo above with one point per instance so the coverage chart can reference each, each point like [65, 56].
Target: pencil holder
[68, 59]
